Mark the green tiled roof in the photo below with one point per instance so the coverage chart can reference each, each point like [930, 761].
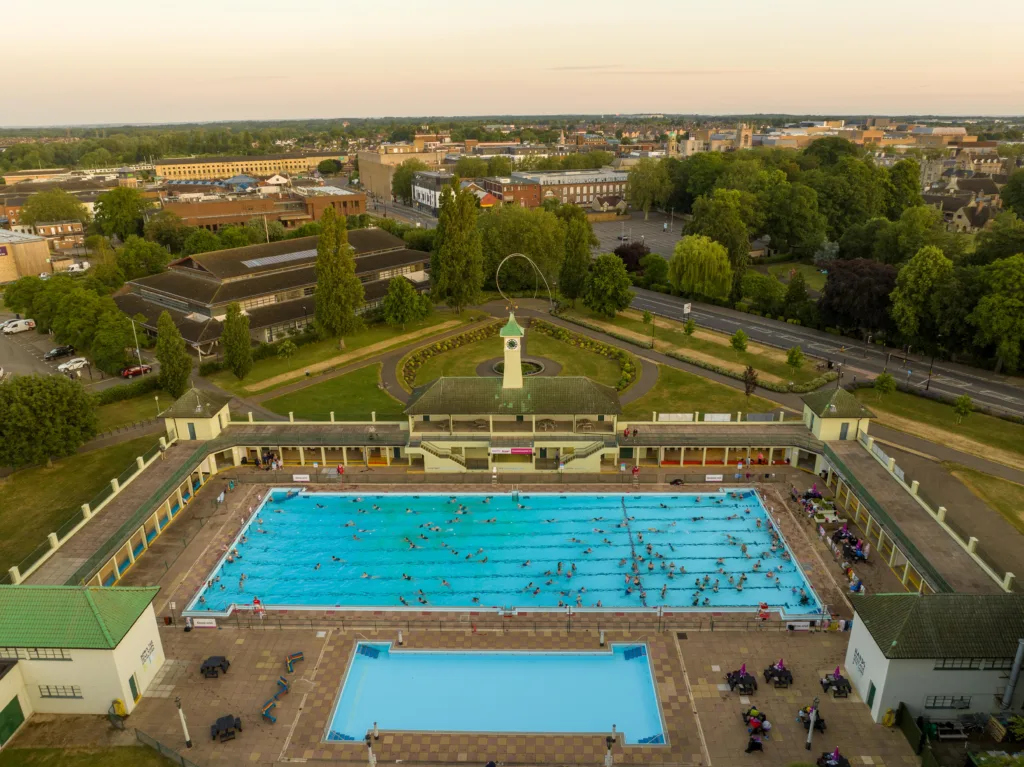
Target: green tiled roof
[562, 395]
[512, 327]
[197, 403]
[87, 618]
[943, 625]
[836, 403]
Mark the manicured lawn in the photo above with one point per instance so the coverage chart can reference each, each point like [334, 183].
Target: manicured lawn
[815, 280]
[575, 362]
[680, 392]
[1002, 495]
[708, 345]
[35, 502]
[319, 351]
[938, 420]
[127, 756]
[352, 397]
[132, 410]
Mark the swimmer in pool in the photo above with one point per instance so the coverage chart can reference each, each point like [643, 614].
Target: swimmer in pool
[320, 506]
[402, 600]
[406, 577]
[476, 600]
[525, 564]
[317, 566]
[445, 583]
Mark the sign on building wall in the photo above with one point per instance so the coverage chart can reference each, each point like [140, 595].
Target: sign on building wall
[147, 655]
[679, 417]
[3, 250]
[511, 451]
[714, 477]
[300, 478]
[721, 417]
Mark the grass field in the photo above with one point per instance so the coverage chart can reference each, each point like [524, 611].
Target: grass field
[352, 397]
[575, 362]
[980, 434]
[131, 410]
[680, 392]
[707, 345]
[126, 756]
[815, 279]
[1002, 495]
[375, 338]
[35, 502]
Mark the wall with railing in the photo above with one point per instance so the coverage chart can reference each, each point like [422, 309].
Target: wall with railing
[81, 516]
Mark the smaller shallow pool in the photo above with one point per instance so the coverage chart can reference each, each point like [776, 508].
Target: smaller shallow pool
[520, 692]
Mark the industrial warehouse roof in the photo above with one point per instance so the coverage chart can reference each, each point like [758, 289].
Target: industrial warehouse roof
[563, 395]
[908, 626]
[197, 403]
[69, 617]
[243, 158]
[836, 403]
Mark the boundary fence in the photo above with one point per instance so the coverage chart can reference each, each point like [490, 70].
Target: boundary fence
[166, 751]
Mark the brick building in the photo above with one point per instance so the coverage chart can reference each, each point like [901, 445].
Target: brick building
[257, 165]
[579, 187]
[294, 208]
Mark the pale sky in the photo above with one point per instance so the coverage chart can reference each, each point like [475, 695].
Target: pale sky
[115, 61]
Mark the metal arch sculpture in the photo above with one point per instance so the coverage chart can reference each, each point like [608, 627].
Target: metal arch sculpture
[536, 269]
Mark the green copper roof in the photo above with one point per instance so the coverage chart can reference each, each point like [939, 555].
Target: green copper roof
[512, 327]
[836, 403]
[88, 618]
[943, 625]
[561, 395]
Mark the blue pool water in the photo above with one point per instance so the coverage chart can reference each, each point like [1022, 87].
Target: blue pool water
[478, 551]
[534, 692]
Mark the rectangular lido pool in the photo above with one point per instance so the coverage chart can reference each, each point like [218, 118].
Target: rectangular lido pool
[513, 692]
[542, 551]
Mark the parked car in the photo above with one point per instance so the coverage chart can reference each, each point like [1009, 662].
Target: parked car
[18, 326]
[81, 266]
[73, 364]
[61, 351]
[135, 370]
[5, 323]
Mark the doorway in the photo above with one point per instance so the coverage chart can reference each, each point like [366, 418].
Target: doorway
[134, 687]
[10, 719]
[191, 431]
[871, 694]
[844, 430]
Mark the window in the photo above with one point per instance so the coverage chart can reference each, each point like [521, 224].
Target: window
[957, 664]
[48, 653]
[998, 664]
[60, 691]
[947, 701]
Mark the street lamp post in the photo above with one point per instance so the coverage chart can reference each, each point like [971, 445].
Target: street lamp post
[157, 398]
[136, 337]
[813, 719]
[184, 725]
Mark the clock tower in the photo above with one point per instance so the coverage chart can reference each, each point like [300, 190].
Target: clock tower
[512, 341]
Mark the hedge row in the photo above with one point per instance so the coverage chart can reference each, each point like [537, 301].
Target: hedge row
[627, 367]
[136, 388]
[261, 351]
[612, 333]
[785, 388]
[412, 363]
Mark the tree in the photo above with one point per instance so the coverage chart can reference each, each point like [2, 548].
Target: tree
[794, 222]
[690, 327]
[720, 217]
[339, 293]
[576, 265]
[607, 289]
[631, 254]
[830, 150]
[286, 349]
[905, 180]
[856, 294]
[499, 166]
[796, 294]
[237, 342]
[468, 166]
[647, 317]
[167, 229]
[795, 358]
[139, 258]
[110, 343]
[850, 192]
[655, 270]
[401, 180]
[420, 239]
[648, 185]
[42, 418]
[749, 380]
[175, 362]
[1003, 238]
[120, 212]
[19, 296]
[401, 303]
[1012, 193]
[700, 266]
[329, 167]
[963, 406]
[885, 385]
[999, 315]
[765, 291]
[738, 340]
[52, 205]
[456, 265]
[239, 236]
[200, 241]
[914, 306]
[535, 232]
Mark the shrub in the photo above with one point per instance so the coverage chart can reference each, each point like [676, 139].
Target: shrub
[738, 341]
[627, 366]
[209, 367]
[743, 307]
[793, 321]
[136, 388]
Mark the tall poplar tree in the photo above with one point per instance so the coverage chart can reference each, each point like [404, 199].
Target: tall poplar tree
[237, 342]
[456, 265]
[328, 312]
[576, 265]
[175, 364]
[350, 289]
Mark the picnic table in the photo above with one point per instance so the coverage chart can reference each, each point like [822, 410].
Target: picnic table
[225, 727]
[213, 665]
[779, 677]
[826, 760]
[746, 683]
[839, 685]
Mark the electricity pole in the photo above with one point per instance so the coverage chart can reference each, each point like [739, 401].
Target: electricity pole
[184, 726]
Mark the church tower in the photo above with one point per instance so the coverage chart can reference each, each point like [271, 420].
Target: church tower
[512, 339]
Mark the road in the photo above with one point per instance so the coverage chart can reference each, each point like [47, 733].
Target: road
[858, 358]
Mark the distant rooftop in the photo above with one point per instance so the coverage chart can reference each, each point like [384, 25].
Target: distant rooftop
[17, 238]
[243, 158]
[321, 191]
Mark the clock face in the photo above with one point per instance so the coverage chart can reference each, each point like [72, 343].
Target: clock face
[512, 343]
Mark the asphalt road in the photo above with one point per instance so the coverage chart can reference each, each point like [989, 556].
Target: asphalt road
[858, 358]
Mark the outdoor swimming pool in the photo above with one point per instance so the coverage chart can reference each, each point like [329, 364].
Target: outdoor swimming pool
[534, 692]
[710, 551]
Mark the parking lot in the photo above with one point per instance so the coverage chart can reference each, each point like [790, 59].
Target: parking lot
[650, 232]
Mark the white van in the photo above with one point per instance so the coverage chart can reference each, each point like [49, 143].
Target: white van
[19, 326]
[81, 266]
